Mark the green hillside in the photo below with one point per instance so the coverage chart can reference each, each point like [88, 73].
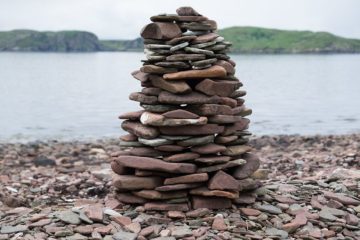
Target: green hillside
[34, 41]
[244, 39]
[263, 40]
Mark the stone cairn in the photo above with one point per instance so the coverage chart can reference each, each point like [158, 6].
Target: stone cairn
[187, 148]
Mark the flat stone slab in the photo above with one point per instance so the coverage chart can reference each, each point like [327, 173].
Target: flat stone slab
[177, 187]
[154, 164]
[192, 178]
[213, 168]
[196, 141]
[153, 119]
[210, 202]
[180, 113]
[139, 129]
[252, 164]
[212, 72]
[236, 150]
[211, 109]
[219, 88]
[213, 159]
[188, 98]
[170, 86]
[192, 130]
[166, 207]
[156, 195]
[223, 181]
[161, 30]
[181, 157]
[210, 148]
[204, 191]
[130, 182]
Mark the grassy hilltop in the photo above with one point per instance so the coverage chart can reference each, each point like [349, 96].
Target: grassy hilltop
[244, 39]
[263, 40]
[35, 41]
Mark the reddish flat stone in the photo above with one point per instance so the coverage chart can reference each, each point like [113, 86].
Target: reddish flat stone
[141, 76]
[210, 148]
[192, 130]
[210, 202]
[250, 211]
[228, 101]
[188, 98]
[122, 220]
[224, 119]
[144, 152]
[238, 126]
[228, 66]
[156, 195]
[140, 130]
[211, 160]
[219, 88]
[130, 198]
[177, 187]
[251, 165]
[153, 91]
[170, 148]
[161, 30]
[211, 72]
[142, 98]
[132, 115]
[179, 113]
[117, 168]
[204, 191]
[225, 139]
[181, 39]
[205, 38]
[230, 164]
[245, 198]
[236, 150]
[166, 207]
[129, 138]
[95, 212]
[341, 198]
[180, 157]
[219, 223]
[130, 182]
[176, 214]
[210, 109]
[156, 69]
[187, 11]
[153, 164]
[248, 184]
[192, 178]
[170, 86]
[198, 213]
[223, 181]
[300, 220]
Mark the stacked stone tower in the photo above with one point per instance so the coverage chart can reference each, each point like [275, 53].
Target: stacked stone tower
[187, 147]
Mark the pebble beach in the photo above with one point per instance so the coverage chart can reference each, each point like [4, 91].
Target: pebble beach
[309, 189]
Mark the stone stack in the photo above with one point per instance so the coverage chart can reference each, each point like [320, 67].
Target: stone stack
[187, 148]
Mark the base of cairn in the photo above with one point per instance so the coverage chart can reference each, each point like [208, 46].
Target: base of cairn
[187, 148]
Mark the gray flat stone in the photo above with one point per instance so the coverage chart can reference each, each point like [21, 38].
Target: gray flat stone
[121, 235]
[13, 229]
[69, 217]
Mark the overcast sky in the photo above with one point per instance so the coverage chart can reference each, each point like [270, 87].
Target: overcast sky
[123, 19]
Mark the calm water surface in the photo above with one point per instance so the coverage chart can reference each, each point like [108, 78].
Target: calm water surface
[67, 96]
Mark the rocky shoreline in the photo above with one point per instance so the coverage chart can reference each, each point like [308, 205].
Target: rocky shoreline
[62, 190]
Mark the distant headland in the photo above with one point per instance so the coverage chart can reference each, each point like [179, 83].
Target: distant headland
[249, 40]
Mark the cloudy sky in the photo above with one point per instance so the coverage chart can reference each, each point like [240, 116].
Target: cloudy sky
[123, 19]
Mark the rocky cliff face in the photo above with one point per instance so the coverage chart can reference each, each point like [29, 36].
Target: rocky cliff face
[64, 41]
